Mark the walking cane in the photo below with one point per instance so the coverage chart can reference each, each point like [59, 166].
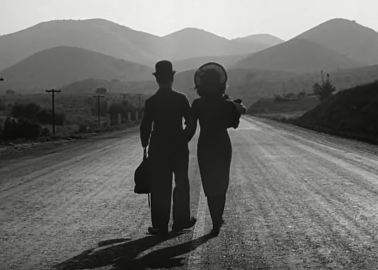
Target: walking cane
[145, 160]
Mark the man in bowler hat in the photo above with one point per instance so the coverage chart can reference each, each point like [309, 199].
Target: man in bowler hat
[168, 153]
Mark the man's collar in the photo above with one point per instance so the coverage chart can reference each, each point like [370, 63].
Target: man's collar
[163, 89]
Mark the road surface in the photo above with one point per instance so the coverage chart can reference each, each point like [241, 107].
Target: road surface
[297, 200]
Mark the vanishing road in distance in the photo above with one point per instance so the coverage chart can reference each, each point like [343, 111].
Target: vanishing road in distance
[297, 200]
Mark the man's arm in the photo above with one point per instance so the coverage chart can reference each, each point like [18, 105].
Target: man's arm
[146, 125]
[191, 122]
[186, 110]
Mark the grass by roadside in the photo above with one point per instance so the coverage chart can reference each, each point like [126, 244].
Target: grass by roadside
[24, 147]
[348, 114]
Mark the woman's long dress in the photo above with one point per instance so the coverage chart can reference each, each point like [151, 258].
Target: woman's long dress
[214, 151]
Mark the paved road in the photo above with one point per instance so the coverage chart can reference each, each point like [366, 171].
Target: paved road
[297, 200]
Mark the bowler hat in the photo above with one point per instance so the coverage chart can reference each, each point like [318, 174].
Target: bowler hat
[164, 68]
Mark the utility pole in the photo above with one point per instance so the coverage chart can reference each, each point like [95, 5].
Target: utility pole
[98, 108]
[123, 96]
[139, 99]
[322, 76]
[52, 92]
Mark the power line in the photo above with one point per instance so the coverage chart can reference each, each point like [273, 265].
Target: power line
[98, 108]
[53, 92]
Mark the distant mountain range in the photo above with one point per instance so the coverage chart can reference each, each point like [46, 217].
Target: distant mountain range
[227, 61]
[247, 84]
[63, 65]
[61, 53]
[335, 44]
[346, 37]
[298, 55]
[118, 41]
[261, 38]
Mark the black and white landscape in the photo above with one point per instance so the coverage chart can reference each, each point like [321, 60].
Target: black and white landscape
[303, 190]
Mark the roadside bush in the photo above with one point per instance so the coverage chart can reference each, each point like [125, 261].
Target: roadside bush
[3, 105]
[103, 108]
[117, 108]
[123, 108]
[22, 128]
[10, 92]
[83, 128]
[45, 117]
[45, 132]
[34, 111]
[301, 95]
[25, 110]
[279, 99]
[101, 90]
[291, 96]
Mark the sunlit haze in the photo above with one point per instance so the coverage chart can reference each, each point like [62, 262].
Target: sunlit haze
[230, 19]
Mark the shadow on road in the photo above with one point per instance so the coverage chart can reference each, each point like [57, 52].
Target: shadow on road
[162, 258]
[122, 253]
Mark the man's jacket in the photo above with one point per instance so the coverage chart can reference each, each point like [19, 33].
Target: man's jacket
[162, 125]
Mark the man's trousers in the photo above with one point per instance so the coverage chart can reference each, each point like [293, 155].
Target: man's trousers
[162, 166]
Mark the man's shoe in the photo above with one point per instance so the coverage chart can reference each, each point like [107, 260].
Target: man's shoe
[157, 231]
[177, 228]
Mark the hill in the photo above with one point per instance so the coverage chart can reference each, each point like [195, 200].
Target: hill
[88, 86]
[62, 65]
[193, 42]
[269, 105]
[194, 63]
[260, 38]
[250, 85]
[298, 55]
[121, 42]
[347, 37]
[96, 35]
[352, 112]
[246, 84]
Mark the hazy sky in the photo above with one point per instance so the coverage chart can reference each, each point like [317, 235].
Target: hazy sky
[227, 18]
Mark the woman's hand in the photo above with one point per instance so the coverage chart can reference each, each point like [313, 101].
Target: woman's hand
[240, 108]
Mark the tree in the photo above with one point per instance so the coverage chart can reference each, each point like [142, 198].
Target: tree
[103, 108]
[316, 89]
[325, 90]
[25, 110]
[22, 128]
[279, 99]
[10, 92]
[101, 90]
[3, 105]
[290, 96]
[44, 116]
[301, 95]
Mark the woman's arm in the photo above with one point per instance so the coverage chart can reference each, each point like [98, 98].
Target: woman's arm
[240, 108]
[235, 110]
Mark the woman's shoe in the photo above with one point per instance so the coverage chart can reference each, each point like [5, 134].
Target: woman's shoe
[216, 228]
[157, 231]
[215, 231]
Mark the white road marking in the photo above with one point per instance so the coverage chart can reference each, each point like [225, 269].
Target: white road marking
[199, 230]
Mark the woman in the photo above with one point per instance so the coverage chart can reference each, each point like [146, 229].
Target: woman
[216, 113]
